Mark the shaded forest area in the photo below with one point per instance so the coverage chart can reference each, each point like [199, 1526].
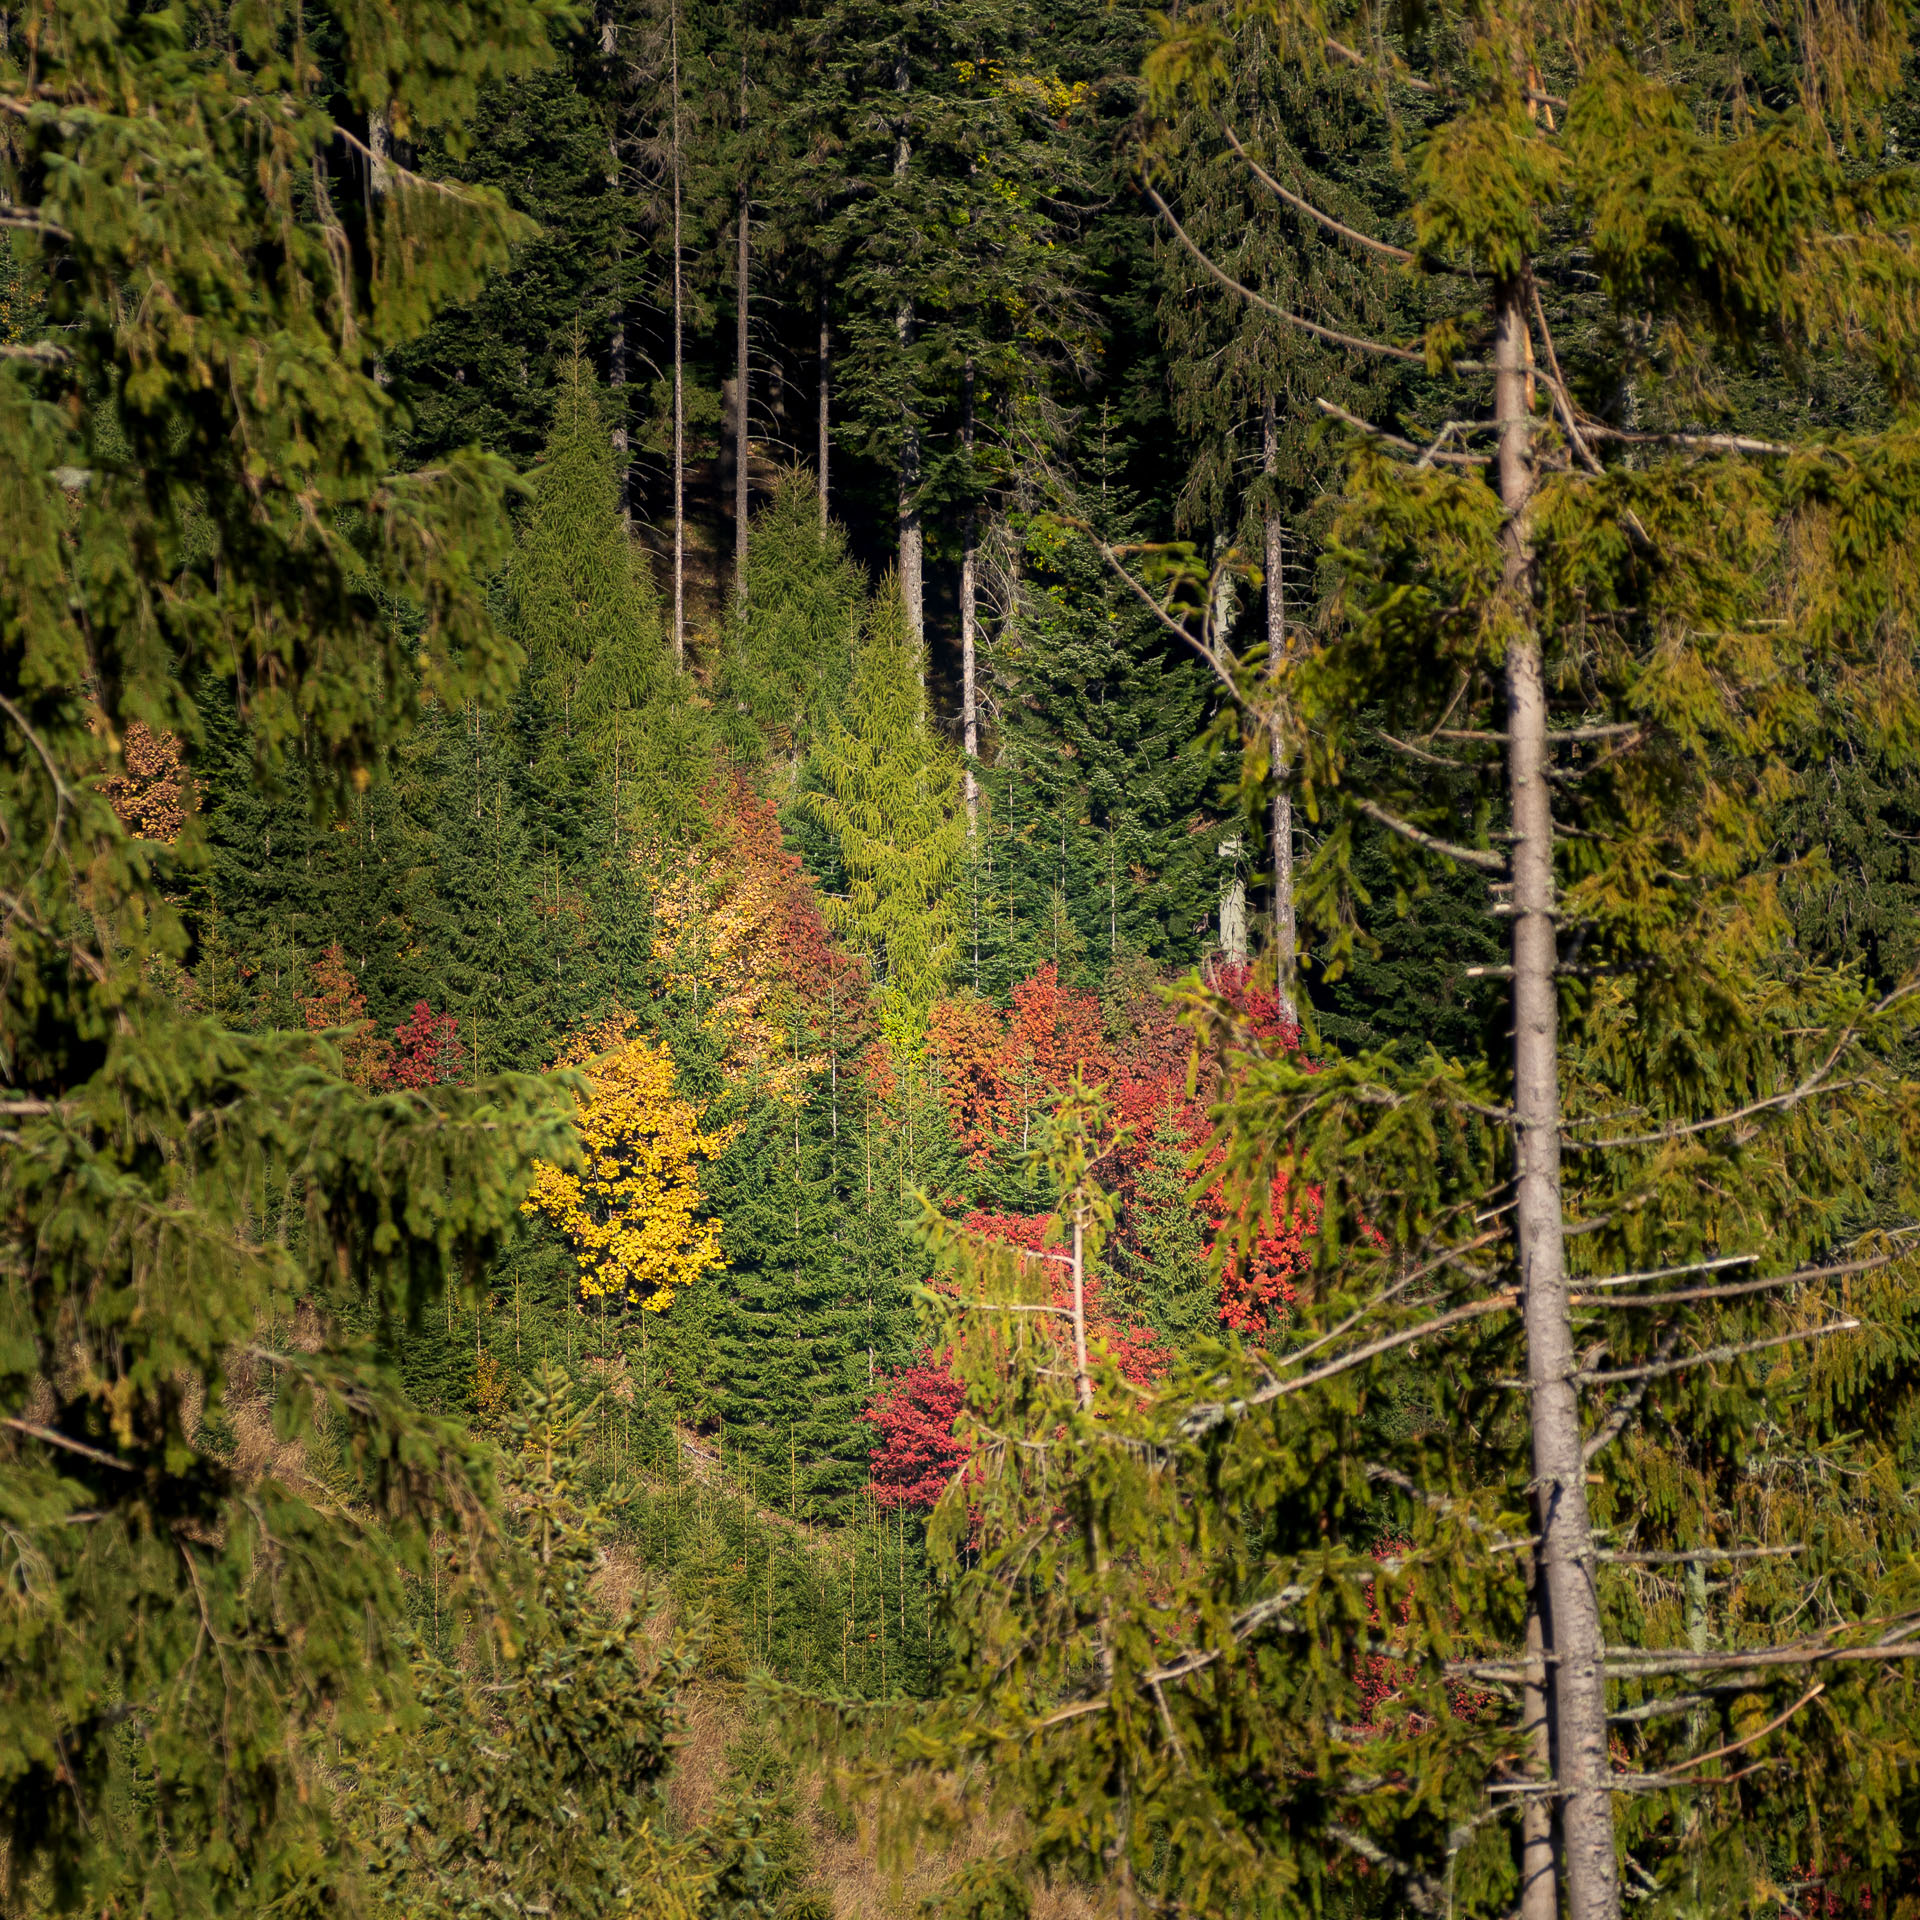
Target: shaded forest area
[956, 963]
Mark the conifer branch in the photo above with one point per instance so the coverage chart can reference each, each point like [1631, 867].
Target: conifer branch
[1658, 1370]
[1629, 1403]
[1695, 1556]
[1694, 442]
[1204, 1418]
[53, 1439]
[1670, 1273]
[1329, 334]
[1759, 1733]
[1424, 456]
[1585, 1294]
[1273, 186]
[1470, 856]
[1814, 1082]
[1557, 386]
[405, 176]
[30, 220]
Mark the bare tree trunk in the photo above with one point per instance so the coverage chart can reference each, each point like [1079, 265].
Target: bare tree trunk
[826, 369]
[616, 384]
[1576, 1677]
[617, 342]
[679, 378]
[379, 153]
[741, 450]
[1285, 931]
[969, 623]
[1539, 1891]
[911, 546]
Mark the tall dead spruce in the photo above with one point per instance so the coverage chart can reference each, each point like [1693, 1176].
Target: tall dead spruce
[1501, 1565]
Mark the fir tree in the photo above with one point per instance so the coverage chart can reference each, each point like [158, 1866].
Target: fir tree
[1101, 787]
[786, 1340]
[587, 612]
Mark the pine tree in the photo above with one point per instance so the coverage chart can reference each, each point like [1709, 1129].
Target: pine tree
[195, 486]
[890, 796]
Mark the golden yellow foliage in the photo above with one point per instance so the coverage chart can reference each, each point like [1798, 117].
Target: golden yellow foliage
[633, 1212]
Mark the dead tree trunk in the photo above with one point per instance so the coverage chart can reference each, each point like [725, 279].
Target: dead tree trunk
[679, 376]
[969, 622]
[1575, 1673]
[741, 409]
[912, 548]
[826, 370]
[1285, 931]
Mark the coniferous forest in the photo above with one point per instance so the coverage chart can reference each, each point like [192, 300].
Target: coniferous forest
[959, 961]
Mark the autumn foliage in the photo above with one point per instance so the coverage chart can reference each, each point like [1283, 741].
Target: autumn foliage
[633, 1212]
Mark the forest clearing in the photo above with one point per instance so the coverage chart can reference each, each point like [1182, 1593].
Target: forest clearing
[959, 963]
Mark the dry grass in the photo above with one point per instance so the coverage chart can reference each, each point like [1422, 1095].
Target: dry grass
[846, 1867]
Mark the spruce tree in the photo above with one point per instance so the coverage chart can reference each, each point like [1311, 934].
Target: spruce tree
[1100, 780]
[196, 489]
[786, 1341]
[890, 796]
[587, 612]
[788, 647]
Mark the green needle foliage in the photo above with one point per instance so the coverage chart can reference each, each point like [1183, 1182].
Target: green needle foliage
[588, 614]
[789, 647]
[1603, 1345]
[533, 1778]
[195, 490]
[889, 794]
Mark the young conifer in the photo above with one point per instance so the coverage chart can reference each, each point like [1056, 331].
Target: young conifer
[890, 796]
[790, 644]
[588, 613]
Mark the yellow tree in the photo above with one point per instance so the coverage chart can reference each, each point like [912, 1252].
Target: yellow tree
[632, 1211]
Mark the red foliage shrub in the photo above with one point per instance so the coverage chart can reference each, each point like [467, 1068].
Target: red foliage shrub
[426, 1049]
[916, 1453]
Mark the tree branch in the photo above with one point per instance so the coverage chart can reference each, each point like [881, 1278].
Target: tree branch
[1658, 1370]
[54, 1439]
[1312, 212]
[1423, 456]
[1471, 856]
[1329, 334]
[1204, 1419]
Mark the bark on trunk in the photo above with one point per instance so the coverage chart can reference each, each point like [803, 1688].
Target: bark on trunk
[826, 370]
[969, 623]
[741, 496]
[380, 153]
[1539, 1890]
[616, 384]
[1285, 929]
[911, 547]
[1576, 1680]
[679, 378]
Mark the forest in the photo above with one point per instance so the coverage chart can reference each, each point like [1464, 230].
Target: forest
[959, 962]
